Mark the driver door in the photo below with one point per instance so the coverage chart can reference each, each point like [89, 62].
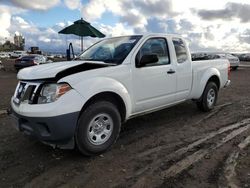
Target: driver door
[154, 85]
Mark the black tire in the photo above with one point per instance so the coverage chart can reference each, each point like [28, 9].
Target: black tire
[94, 115]
[203, 103]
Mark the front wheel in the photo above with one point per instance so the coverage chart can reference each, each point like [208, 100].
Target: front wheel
[98, 128]
[208, 98]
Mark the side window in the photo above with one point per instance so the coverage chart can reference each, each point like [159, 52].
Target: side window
[155, 46]
[180, 50]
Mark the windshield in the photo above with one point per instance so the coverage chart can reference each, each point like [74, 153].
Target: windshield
[112, 50]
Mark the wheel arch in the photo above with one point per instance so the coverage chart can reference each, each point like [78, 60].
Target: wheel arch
[209, 75]
[216, 80]
[111, 97]
[213, 78]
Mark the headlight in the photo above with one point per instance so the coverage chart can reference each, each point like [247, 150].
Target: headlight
[51, 92]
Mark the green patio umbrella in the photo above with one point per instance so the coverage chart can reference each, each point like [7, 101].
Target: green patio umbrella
[83, 29]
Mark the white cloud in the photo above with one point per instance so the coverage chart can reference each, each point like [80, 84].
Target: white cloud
[5, 24]
[137, 16]
[22, 23]
[47, 39]
[61, 24]
[93, 10]
[134, 18]
[134, 13]
[6, 13]
[72, 4]
[36, 4]
[152, 16]
[117, 30]
[44, 39]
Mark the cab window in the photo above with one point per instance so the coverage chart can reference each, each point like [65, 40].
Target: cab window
[180, 50]
[155, 46]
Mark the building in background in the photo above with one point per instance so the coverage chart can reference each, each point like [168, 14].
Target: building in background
[19, 41]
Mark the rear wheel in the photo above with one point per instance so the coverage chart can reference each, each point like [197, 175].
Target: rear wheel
[98, 128]
[208, 98]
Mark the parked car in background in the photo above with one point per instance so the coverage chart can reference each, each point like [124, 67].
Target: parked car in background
[4, 55]
[29, 60]
[240, 56]
[234, 61]
[17, 54]
[51, 56]
[58, 56]
[245, 57]
[203, 56]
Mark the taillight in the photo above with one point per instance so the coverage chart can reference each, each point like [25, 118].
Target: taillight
[34, 62]
[16, 60]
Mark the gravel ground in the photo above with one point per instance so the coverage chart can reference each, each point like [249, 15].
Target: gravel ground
[176, 147]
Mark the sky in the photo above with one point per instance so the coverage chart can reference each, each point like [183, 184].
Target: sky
[214, 25]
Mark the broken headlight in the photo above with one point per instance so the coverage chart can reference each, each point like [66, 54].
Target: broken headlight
[51, 92]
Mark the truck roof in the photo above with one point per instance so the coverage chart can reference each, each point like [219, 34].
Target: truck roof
[150, 34]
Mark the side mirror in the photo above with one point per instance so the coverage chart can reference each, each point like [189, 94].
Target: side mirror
[147, 59]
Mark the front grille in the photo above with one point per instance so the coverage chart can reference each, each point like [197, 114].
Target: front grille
[26, 91]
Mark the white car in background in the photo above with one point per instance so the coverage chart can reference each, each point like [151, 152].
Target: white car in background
[17, 54]
[4, 55]
[234, 61]
[245, 57]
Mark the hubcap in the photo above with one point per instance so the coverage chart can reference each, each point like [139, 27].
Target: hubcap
[211, 97]
[100, 129]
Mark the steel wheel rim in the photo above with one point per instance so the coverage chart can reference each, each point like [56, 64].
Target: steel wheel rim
[100, 129]
[211, 97]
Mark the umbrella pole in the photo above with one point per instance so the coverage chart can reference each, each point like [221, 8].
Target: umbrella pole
[81, 44]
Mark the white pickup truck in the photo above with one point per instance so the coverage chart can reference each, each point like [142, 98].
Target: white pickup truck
[82, 103]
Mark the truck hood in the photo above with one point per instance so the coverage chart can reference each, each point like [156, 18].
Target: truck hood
[58, 70]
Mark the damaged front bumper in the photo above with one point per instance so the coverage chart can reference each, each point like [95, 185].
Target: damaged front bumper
[51, 123]
[57, 131]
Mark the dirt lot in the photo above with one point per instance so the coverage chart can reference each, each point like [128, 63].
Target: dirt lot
[176, 147]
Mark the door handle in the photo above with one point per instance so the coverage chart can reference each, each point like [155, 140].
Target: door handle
[171, 71]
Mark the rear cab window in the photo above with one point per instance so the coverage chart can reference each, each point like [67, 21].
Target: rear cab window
[180, 50]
